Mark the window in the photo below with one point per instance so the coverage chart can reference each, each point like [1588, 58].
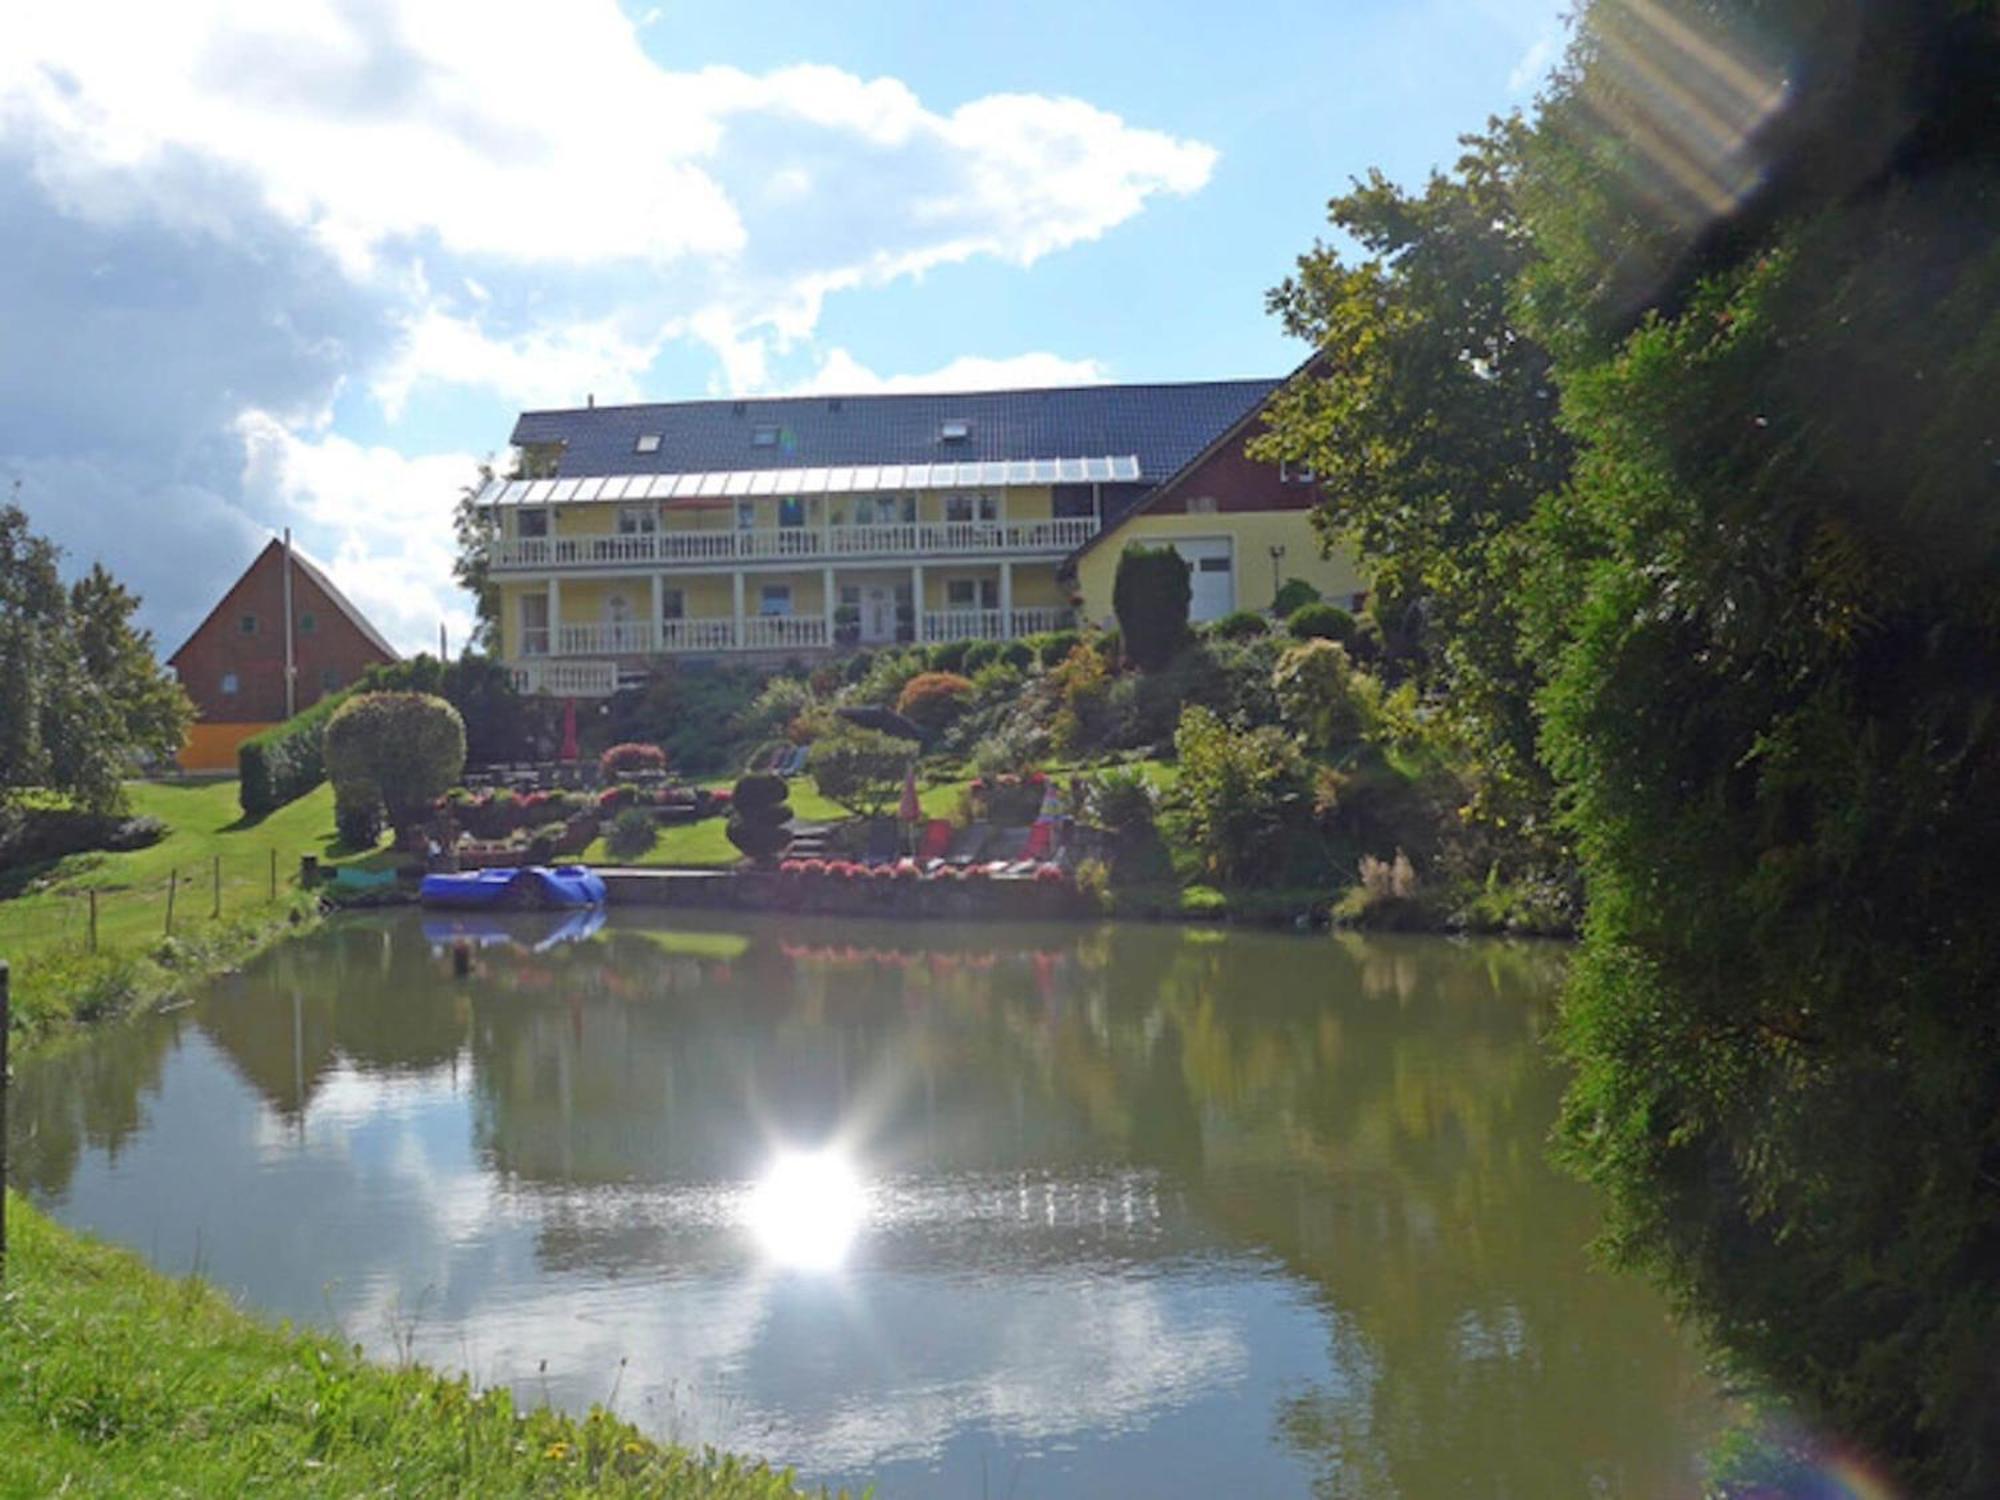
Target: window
[1201, 505]
[247, 625]
[746, 515]
[1291, 473]
[329, 680]
[971, 508]
[531, 523]
[229, 684]
[1213, 565]
[673, 604]
[308, 623]
[972, 593]
[774, 599]
[637, 520]
[649, 442]
[954, 430]
[763, 437]
[791, 511]
[850, 595]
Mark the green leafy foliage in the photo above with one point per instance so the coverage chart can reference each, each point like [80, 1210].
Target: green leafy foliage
[1151, 595]
[1238, 791]
[758, 815]
[931, 700]
[1321, 697]
[1321, 622]
[633, 833]
[285, 761]
[1295, 594]
[1239, 625]
[401, 750]
[81, 693]
[860, 769]
[500, 723]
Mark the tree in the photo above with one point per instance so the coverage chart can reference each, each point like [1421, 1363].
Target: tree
[477, 530]
[1771, 602]
[1239, 790]
[80, 691]
[1151, 596]
[1428, 416]
[402, 750]
[759, 816]
[861, 769]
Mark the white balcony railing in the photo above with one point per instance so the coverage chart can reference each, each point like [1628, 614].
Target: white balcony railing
[992, 624]
[783, 632]
[611, 638]
[698, 635]
[567, 679]
[913, 539]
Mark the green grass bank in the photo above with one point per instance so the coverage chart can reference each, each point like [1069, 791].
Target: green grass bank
[117, 1381]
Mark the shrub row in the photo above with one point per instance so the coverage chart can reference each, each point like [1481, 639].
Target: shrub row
[286, 761]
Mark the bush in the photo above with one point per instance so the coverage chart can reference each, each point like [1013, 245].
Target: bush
[1083, 689]
[861, 769]
[933, 699]
[1294, 596]
[1321, 622]
[633, 832]
[1151, 596]
[285, 761]
[1055, 647]
[758, 815]
[887, 675]
[1240, 625]
[996, 682]
[357, 819]
[778, 703]
[401, 749]
[1122, 801]
[1239, 789]
[1016, 654]
[979, 654]
[626, 759]
[36, 835]
[949, 656]
[1320, 695]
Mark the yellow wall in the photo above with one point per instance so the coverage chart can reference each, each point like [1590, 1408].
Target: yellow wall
[212, 747]
[1255, 532]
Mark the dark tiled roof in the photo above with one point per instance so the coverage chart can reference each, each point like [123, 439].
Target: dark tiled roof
[1165, 425]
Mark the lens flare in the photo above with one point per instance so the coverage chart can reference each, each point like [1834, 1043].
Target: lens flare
[806, 1210]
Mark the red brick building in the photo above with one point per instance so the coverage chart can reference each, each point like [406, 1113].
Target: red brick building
[233, 666]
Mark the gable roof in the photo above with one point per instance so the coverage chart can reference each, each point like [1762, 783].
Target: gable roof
[1163, 425]
[313, 571]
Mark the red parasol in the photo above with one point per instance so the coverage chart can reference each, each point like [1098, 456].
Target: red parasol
[911, 810]
[570, 749]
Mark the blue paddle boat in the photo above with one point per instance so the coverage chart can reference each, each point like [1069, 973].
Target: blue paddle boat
[515, 888]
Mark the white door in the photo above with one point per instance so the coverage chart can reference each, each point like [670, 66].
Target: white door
[1211, 577]
[878, 613]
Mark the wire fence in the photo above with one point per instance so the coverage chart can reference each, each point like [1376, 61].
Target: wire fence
[181, 900]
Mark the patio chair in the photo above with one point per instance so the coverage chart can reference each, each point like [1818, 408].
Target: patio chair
[883, 846]
[968, 844]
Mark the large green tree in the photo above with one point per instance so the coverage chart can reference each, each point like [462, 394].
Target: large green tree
[81, 693]
[1428, 417]
[1770, 605]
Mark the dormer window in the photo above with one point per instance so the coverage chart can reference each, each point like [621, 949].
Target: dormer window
[764, 437]
[649, 442]
[954, 430]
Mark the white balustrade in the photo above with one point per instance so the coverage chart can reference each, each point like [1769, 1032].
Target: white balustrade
[567, 679]
[903, 539]
[698, 635]
[783, 632]
[615, 637]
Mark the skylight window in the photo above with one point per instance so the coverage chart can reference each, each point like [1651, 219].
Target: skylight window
[649, 442]
[954, 430]
[764, 437]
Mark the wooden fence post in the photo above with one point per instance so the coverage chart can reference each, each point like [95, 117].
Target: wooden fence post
[274, 874]
[6, 1021]
[93, 919]
[215, 871]
[173, 883]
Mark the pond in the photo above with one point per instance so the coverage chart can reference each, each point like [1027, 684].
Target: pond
[966, 1211]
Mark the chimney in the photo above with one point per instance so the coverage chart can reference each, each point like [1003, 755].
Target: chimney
[591, 400]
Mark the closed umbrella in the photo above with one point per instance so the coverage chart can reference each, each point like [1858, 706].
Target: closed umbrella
[570, 749]
[911, 809]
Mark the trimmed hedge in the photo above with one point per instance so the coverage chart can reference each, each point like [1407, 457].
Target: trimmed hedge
[1323, 622]
[286, 761]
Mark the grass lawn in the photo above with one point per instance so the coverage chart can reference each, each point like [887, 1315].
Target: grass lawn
[115, 1380]
[45, 912]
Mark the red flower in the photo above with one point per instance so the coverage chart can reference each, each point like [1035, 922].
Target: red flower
[812, 867]
[1050, 875]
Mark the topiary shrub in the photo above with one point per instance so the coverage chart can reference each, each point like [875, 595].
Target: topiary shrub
[1294, 596]
[758, 815]
[948, 656]
[1239, 625]
[633, 832]
[401, 750]
[933, 699]
[1016, 654]
[625, 760]
[285, 761]
[1321, 622]
[1151, 597]
[979, 654]
[861, 769]
[357, 819]
[1055, 647]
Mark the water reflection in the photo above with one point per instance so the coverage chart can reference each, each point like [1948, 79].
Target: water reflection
[1121, 1209]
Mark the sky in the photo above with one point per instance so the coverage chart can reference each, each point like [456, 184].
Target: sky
[300, 264]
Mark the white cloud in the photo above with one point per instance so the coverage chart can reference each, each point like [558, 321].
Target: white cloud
[557, 365]
[842, 374]
[1534, 64]
[380, 521]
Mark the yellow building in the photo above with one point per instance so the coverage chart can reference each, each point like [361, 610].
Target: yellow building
[800, 525]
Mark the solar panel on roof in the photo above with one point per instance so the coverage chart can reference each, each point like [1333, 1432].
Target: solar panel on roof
[738, 484]
[814, 482]
[1125, 468]
[764, 482]
[564, 489]
[588, 489]
[539, 492]
[1069, 470]
[711, 485]
[1045, 471]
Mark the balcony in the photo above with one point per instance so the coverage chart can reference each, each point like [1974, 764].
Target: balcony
[916, 540]
[636, 638]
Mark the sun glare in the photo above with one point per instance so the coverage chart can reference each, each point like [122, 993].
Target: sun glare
[806, 1209]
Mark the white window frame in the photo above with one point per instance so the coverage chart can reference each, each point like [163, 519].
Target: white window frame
[231, 684]
[648, 442]
[535, 514]
[1291, 473]
[774, 594]
[981, 593]
[983, 505]
[673, 604]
